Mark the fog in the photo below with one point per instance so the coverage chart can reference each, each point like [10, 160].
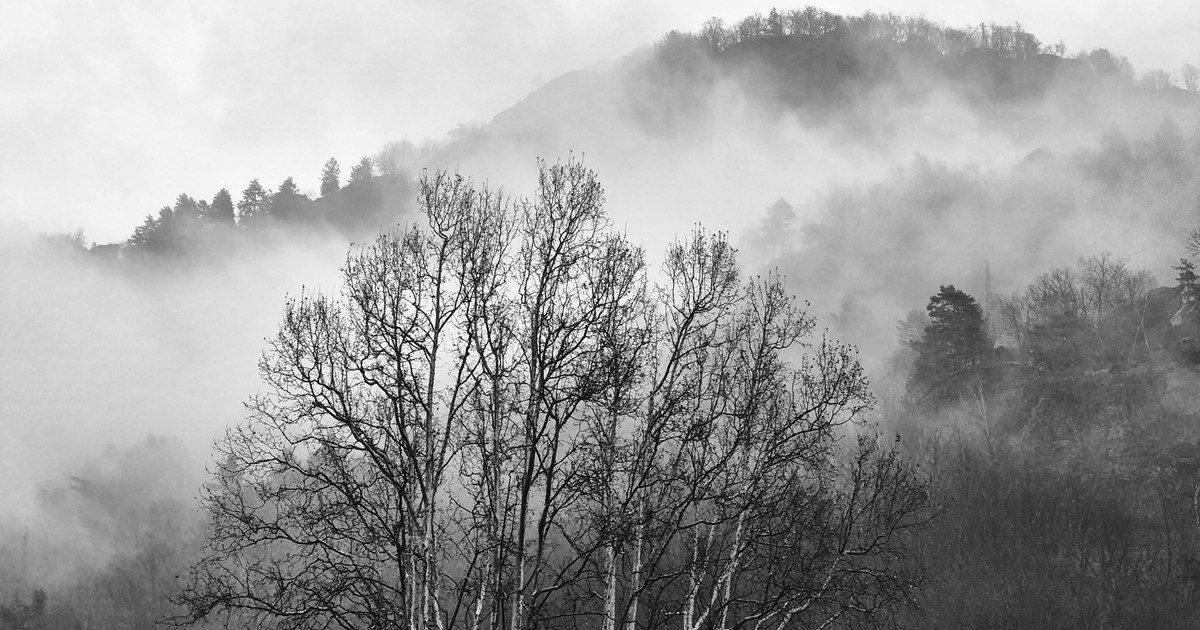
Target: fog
[898, 186]
[97, 356]
[205, 95]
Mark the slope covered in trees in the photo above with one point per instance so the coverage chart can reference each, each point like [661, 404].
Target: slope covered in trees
[1055, 426]
[1067, 480]
[783, 104]
[861, 76]
[874, 250]
[378, 193]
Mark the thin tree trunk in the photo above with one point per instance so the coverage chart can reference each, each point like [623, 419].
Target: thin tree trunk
[731, 570]
[689, 611]
[635, 580]
[610, 590]
[518, 613]
[475, 623]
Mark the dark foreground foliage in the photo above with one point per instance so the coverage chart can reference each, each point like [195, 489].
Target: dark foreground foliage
[1069, 491]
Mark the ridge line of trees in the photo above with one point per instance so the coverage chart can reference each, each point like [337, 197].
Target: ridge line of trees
[353, 207]
[1005, 41]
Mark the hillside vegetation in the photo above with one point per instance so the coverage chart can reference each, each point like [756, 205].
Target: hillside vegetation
[996, 223]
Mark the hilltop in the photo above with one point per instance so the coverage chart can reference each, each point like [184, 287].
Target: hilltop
[865, 93]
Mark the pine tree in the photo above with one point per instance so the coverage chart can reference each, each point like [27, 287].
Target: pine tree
[954, 356]
[1189, 292]
[774, 23]
[186, 208]
[1187, 278]
[330, 182]
[184, 225]
[288, 188]
[255, 203]
[145, 236]
[157, 235]
[362, 172]
[288, 203]
[221, 210]
[777, 229]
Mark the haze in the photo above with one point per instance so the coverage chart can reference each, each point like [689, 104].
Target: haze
[110, 111]
[1043, 196]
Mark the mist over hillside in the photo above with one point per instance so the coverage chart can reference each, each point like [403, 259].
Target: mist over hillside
[868, 160]
[907, 151]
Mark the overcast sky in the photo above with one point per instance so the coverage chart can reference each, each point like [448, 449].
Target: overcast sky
[108, 110]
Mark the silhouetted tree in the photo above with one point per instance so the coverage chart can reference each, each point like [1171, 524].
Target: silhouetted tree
[1105, 63]
[255, 204]
[287, 203]
[186, 208]
[954, 357]
[714, 35]
[330, 178]
[158, 234]
[774, 24]
[777, 230]
[1190, 77]
[288, 187]
[498, 422]
[1189, 292]
[362, 172]
[396, 159]
[221, 210]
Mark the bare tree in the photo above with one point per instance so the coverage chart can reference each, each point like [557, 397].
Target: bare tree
[502, 422]
[714, 35]
[1190, 77]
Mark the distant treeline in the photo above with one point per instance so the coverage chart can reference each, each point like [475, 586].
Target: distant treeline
[378, 190]
[810, 59]
[831, 68]
[1005, 41]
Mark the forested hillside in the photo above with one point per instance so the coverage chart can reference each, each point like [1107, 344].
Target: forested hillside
[618, 415]
[863, 82]
[1060, 431]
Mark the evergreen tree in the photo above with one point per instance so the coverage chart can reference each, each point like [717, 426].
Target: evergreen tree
[330, 182]
[145, 235]
[288, 203]
[156, 235]
[777, 230]
[255, 203]
[186, 208]
[954, 356]
[1187, 278]
[1189, 292]
[288, 188]
[362, 172]
[184, 224]
[774, 23]
[221, 210]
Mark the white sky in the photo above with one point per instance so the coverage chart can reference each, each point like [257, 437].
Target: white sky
[108, 110]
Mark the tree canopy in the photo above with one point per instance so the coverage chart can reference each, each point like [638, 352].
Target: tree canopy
[954, 356]
[330, 178]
